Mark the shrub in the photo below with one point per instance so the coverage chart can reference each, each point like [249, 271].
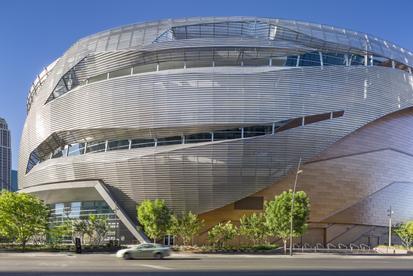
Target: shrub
[221, 233]
[254, 227]
[185, 226]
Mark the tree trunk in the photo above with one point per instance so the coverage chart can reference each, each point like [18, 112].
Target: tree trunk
[285, 246]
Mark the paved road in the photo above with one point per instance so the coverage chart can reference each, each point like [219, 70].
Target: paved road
[104, 264]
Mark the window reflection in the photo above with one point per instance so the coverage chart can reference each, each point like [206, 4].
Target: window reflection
[310, 59]
[257, 131]
[100, 77]
[140, 143]
[333, 59]
[356, 60]
[59, 153]
[98, 146]
[120, 73]
[197, 138]
[234, 133]
[76, 149]
[291, 61]
[145, 68]
[118, 145]
[169, 141]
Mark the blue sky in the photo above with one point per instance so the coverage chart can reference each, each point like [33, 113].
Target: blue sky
[34, 33]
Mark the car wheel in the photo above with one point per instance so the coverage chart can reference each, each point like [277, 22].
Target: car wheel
[127, 256]
[158, 256]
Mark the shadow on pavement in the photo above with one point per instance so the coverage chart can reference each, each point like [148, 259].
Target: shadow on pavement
[166, 259]
[226, 273]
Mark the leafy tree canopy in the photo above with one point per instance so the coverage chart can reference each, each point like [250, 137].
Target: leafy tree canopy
[278, 215]
[254, 227]
[222, 233]
[185, 226]
[155, 217]
[22, 216]
[405, 233]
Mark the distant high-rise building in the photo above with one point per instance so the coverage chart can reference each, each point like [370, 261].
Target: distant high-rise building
[5, 155]
[13, 184]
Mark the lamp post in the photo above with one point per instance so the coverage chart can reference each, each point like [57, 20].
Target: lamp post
[292, 206]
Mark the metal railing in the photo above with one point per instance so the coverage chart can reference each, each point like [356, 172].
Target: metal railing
[339, 248]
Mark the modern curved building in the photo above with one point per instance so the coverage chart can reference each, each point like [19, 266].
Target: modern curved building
[212, 114]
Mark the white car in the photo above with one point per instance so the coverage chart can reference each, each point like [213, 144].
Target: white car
[144, 251]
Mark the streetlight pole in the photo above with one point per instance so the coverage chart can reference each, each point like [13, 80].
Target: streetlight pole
[390, 213]
[292, 206]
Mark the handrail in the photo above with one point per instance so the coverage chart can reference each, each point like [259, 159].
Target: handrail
[319, 245]
[364, 246]
[342, 245]
[352, 246]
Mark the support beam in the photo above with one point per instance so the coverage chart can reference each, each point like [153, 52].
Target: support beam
[46, 192]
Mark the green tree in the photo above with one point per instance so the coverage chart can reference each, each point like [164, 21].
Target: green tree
[22, 216]
[254, 227]
[185, 226]
[278, 215]
[405, 233]
[99, 228]
[58, 232]
[222, 233]
[155, 217]
[80, 229]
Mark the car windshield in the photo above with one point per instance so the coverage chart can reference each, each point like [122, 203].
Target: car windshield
[145, 245]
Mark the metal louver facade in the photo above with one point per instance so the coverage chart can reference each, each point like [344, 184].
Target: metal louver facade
[163, 83]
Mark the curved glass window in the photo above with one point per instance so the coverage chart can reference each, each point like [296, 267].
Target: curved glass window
[216, 57]
[100, 77]
[96, 146]
[310, 59]
[76, 149]
[34, 159]
[357, 60]
[120, 73]
[229, 29]
[334, 59]
[235, 133]
[118, 145]
[257, 131]
[169, 141]
[168, 65]
[291, 61]
[140, 143]
[145, 68]
[217, 135]
[59, 153]
[198, 138]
